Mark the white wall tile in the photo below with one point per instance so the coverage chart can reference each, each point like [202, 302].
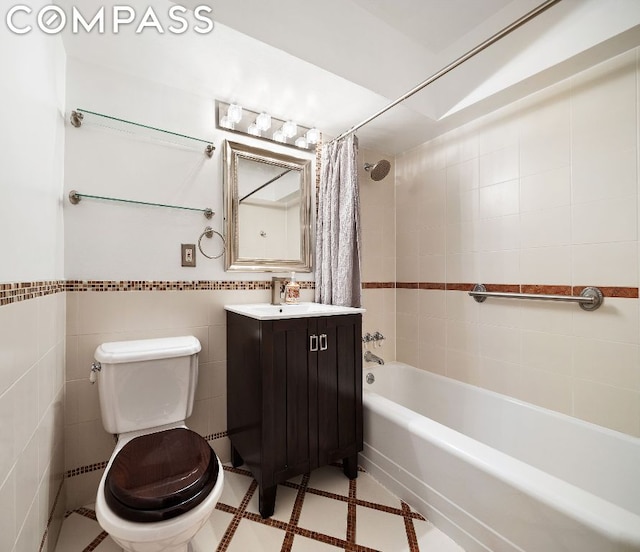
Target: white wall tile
[499, 166]
[608, 220]
[603, 108]
[551, 265]
[8, 508]
[606, 176]
[608, 406]
[546, 228]
[544, 190]
[606, 264]
[500, 199]
[608, 362]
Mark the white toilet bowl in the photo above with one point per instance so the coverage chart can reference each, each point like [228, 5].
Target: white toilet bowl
[163, 480]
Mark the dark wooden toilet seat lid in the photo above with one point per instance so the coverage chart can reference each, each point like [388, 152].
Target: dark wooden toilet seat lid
[161, 475]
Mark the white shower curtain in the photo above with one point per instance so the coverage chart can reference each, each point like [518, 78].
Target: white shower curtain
[337, 265]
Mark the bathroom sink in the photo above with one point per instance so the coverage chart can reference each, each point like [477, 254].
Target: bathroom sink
[266, 311]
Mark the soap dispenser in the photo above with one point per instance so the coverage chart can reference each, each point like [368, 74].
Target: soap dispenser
[292, 291]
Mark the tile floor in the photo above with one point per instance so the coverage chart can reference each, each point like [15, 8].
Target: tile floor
[317, 512]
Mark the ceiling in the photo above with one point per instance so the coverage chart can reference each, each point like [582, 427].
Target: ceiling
[334, 63]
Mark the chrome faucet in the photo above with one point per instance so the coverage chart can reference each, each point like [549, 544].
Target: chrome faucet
[277, 289]
[370, 357]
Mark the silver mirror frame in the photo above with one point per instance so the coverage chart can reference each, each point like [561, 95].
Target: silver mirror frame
[233, 152]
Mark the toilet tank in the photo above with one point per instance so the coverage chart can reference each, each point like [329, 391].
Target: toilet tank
[147, 383]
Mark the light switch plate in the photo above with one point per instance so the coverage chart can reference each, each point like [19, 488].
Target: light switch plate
[188, 255]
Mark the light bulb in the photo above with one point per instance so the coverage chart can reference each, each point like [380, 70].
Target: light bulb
[225, 122]
[254, 130]
[290, 129]
[263, 121]
[279, 136]
[301, 142]
[313, 135]
[234, 112]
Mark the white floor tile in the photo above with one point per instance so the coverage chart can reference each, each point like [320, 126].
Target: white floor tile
[431, 538]
[77, 533]
[107, 545]
[235, 488]
[324, 515]
[208, 538]
[256, 537]
[303, 544]
[380, 530]
[367, 488]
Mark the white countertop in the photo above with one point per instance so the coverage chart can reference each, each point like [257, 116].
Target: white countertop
[266, 311]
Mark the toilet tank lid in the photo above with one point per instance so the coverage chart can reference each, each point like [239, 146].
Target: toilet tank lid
[118, 352]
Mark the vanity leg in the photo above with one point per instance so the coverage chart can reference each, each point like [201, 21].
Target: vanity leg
[350, 466]
[267, 501]
[236, 459]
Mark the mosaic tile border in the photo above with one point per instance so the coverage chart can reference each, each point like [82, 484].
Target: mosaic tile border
[538, 289]
[167, 285]
[23, 291]
[74, 472]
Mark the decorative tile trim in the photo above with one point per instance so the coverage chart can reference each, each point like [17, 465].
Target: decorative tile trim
[102, 465]
[23, 291]
[538, 289]
[378, 285]
[167, 285]
[86, 469]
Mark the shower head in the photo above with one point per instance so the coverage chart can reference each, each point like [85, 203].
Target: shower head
[378, 170]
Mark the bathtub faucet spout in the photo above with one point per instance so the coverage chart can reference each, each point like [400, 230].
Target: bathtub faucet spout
[370, 357]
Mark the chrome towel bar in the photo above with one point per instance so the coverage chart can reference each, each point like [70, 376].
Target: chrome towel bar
[589, 299]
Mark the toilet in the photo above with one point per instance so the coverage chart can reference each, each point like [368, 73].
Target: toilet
[163, 480]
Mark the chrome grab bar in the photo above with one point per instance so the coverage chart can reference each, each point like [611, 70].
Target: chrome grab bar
[590, 298]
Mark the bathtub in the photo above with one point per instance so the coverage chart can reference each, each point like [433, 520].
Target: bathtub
[498, 474]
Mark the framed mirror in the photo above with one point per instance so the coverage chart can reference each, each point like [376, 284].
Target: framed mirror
[267, 210]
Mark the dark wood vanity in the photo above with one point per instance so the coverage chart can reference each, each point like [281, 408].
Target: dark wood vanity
[294, 396]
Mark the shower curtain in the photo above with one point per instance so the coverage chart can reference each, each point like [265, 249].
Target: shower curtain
[337, 267]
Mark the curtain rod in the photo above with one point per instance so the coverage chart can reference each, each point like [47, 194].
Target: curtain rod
[500, 34]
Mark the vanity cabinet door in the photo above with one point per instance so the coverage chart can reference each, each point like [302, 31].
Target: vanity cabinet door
[285, 373]
[339, 391]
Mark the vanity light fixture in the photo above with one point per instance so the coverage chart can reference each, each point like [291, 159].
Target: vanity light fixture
[263, 121]
[313, 135]
[225, 122]
[234, 112]
[264, 126]
[290, 129]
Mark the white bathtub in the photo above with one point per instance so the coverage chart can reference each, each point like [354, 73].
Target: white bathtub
[498, 474]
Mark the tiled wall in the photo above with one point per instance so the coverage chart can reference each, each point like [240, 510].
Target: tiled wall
[545, 193]
[377, 217]
[31, 422]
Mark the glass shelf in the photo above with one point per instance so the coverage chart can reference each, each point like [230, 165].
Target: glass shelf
[81, 116]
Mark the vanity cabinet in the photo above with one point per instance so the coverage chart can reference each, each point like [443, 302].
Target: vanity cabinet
[294, 396]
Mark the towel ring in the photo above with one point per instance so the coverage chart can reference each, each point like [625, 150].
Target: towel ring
[209, 232]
